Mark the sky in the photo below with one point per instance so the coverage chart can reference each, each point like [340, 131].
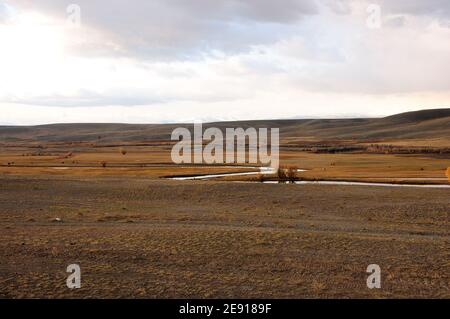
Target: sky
[160, 61]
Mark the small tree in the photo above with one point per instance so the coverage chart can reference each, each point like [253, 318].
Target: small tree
[281, 172]
[292, 173]
[287, 173]
[123, 151]
[260, 178]
[103, 163]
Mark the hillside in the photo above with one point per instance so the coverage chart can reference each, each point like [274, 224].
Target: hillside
[426, 124]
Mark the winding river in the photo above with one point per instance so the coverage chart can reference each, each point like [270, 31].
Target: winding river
[269, 170]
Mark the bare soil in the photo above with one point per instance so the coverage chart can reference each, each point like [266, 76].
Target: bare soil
[144, 238]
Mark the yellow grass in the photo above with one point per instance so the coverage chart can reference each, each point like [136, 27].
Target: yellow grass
[155, 162]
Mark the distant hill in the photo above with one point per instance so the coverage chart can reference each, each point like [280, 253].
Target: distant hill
[420, 124]
[419, 116]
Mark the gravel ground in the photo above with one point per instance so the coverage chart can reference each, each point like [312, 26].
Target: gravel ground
[136, 238]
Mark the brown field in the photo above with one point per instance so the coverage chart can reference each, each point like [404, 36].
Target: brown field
[166, 239]
[155, 162]
[138, 235]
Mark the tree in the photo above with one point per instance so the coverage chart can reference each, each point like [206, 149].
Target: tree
[281, 172]
[260, 178]
[287, 173]
[123, 151]
[292, 173]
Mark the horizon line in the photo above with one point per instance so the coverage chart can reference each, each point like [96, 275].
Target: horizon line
[344, 117]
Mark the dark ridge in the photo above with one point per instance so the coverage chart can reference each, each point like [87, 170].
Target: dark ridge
[419, 116]
[434, 123]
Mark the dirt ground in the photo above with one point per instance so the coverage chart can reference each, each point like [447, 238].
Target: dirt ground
[150, 238]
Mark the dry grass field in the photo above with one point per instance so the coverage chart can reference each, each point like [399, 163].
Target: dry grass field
[102, 203]
[155, 162]
[167, 239]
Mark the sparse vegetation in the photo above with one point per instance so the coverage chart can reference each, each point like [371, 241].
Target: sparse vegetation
[150, 237]
[335, 148]
[67, 155]
[286, 243]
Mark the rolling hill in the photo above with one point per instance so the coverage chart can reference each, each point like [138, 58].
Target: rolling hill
[426, 124]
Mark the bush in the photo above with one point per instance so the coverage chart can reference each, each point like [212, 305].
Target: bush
[281, 172]
[292, 173]
[123, 151]
[287, 173]
[261, 178]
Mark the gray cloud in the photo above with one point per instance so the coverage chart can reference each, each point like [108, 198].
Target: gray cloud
[338, 6]
[439, 8]
[120, 97]
[86, 98]
[180, 29]
[167, 29]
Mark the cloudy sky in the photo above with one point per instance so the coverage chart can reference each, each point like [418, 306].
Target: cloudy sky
[147, 61]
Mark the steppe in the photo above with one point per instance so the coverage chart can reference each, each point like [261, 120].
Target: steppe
[99, 195]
